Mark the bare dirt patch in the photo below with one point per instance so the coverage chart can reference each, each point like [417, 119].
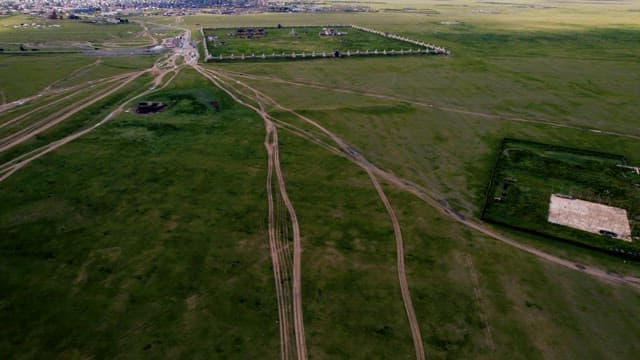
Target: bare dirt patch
[589, 216]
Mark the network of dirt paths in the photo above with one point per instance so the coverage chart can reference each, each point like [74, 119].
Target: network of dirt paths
[341, 148]
[283, 227]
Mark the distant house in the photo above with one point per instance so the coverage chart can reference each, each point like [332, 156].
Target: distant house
[329, 31]
[149, 107]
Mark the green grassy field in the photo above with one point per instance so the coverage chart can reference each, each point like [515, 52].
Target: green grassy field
[303, 39]
[187, 283]
[148, 237]
[68, 30]
[526, 174]
[22, 76]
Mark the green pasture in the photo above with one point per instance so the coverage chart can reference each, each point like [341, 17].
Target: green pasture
[147, 238]
[22, 76]
[200, 282]
[492, 86]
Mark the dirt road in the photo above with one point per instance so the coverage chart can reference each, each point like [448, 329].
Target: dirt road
[26, 134]
[73, 74]
[286, 259]
[402, 276]
[273, 155]
[50, 103]
[401, 272]
[147, 33]
[275, 258]
[432, 200]
[9, 168]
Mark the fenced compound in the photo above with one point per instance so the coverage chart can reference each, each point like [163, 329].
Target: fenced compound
[602, 210]
[589, 216]
[415, 47]
[204, 45]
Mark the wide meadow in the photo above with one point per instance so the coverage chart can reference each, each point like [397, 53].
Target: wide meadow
[148, 237]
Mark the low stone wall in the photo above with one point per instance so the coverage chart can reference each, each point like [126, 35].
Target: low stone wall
[423, 48]
[204, 45]
[437, 49]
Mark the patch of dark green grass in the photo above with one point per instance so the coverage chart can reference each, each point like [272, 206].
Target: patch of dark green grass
[146, 237]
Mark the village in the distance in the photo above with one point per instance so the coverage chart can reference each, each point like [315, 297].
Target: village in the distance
[89, 9]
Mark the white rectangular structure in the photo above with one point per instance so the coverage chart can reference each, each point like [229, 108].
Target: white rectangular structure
[589, 216]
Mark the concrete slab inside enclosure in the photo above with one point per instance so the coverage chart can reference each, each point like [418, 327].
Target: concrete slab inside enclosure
[589, 216]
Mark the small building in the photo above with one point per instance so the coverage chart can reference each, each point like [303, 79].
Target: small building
[329, 31]
[149, 107]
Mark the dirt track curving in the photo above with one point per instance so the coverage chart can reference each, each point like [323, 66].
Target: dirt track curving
[287, 256]
[271, 144]
[9, 168]
[402, 276]
[78, 90]
[432, 200]
[404, 287]
[146, 33]
[433, 105]
[31, 131]
[275, 258]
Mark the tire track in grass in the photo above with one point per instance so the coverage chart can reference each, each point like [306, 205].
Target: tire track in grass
[279, 250]
[350, 153]
[7, 107]
[282, 320]
[297, 252]
[35, 129]
[9, 168]
[433, 200]
[479, 114]
[473, 274]
[273, 159]
[73, 74]
[401, 272]
[49, 104]
[402, 276]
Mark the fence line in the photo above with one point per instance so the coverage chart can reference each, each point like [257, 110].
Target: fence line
[206, 47]
[424, 48]
[437, 49]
